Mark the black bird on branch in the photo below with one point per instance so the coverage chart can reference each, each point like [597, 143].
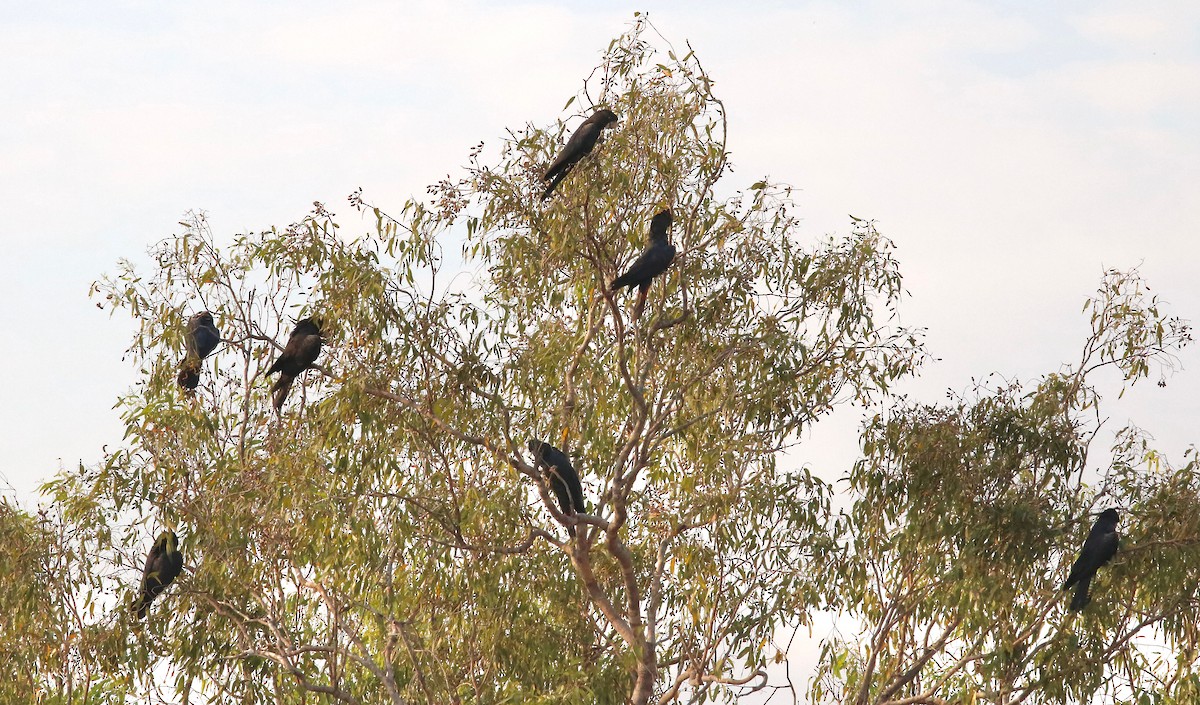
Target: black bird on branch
[578, 147]
[201, 338]
[163, 565]
[298, 355]
[653, 261]
[564, 481]
[1099, 547]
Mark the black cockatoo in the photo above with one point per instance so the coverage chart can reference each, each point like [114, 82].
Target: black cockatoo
[298, 355]
[578, 147]
[163, 565]
[653, 261]
[1099, 547]
[201, 338]
[564, 481]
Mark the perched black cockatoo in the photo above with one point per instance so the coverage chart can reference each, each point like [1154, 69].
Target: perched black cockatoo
[653, 261]
[201, 338]
[1099, 547]
[163, 565]
[578, 147]
[298, 355]
[564, 481]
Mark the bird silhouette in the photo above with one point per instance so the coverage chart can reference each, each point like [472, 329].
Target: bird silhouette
[298, 355]
[163, 565]
[1098, 549]
[201, 338]
[578, 147]
[564, 481]
[653, 261]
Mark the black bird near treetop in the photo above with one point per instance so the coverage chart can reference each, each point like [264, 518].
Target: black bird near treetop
[298, 355]
[564, 481]
[1099, 547]
[578, 147]
[201, 338]
[163, 565]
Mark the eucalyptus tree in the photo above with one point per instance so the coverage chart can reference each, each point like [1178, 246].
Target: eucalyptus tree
[966, 519]
[31, 630]
[388, 538]
[53, 647]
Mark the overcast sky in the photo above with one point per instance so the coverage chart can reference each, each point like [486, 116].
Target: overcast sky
[1013, 151]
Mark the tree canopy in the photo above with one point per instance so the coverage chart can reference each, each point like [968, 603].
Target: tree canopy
[388, 537]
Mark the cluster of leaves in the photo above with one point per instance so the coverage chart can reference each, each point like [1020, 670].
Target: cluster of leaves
[54, 646]
[387, 539]
[967, 516]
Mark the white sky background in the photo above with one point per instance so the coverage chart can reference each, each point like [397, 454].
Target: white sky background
[1012, 151]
